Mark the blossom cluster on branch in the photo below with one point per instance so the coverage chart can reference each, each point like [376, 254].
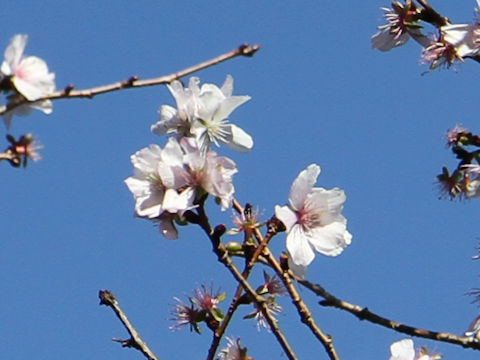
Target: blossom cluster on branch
[451, 43]
[171, 183]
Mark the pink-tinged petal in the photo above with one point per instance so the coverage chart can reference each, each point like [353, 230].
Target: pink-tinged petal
[13, 53]
[402, 350]
[237, 139]
[302, 186]
[298, 247]
[330, 239]
[286, 216]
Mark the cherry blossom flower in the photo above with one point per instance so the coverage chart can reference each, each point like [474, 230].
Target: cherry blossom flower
[401, 25]
[313, 221]
[167, 182]
[184, 315]
[454, 136]
[26, 147]
[404, 350]
[233, 351]
[456, 42]
[29, 76]
[272, 307]
[202, 112]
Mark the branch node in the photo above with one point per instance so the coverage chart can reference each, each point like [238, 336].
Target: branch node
[106, 297]
[248, 50]
[68, 89]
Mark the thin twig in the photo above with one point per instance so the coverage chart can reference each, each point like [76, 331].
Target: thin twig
[133, 82]
[364, 313]
[108, 298]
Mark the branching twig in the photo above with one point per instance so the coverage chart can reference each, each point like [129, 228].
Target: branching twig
[108, 298]
[250, 262]
[364, 314]
[302, 309]
[222, 255]
[134, 82]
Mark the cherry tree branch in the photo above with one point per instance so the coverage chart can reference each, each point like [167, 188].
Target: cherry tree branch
[364, 313]
[236, 300]
[302, 309]
[223, 257]
[134, 82]
[108, 298]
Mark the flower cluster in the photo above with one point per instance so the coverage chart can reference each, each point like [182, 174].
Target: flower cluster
[454, 42]
[464, 181]
[404, 350]
[402, 23]
[21, 150]
[169, 181]
[202, 113]
[313, 221]
[203, 308]
[25, 78]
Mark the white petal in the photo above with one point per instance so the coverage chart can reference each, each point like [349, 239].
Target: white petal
[402, 350]
[331, 239]
[227, 87]
[237, 139]
[298, 246]
[302, 186]
[174, 202]
[226, 107]
[286, 215]
[455, 34]
[385, 41]
[149, 206]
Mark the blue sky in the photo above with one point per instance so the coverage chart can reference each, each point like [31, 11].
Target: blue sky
[319, 93]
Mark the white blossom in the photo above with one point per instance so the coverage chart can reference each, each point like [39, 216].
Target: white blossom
[400, 26]
[29, 76]
[167, 181]
[313, 221]
[404, 350]
[202, 112]
[233, 351]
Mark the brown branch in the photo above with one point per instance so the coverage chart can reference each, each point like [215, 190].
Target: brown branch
[108, 298]
[430, 15]
[236, 299]
[223, 257]
[133, 82]
[302, 309]
[364, 313]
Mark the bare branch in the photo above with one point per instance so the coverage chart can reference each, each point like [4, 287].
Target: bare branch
[364, 313]
[108, 298]
[133, 82]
